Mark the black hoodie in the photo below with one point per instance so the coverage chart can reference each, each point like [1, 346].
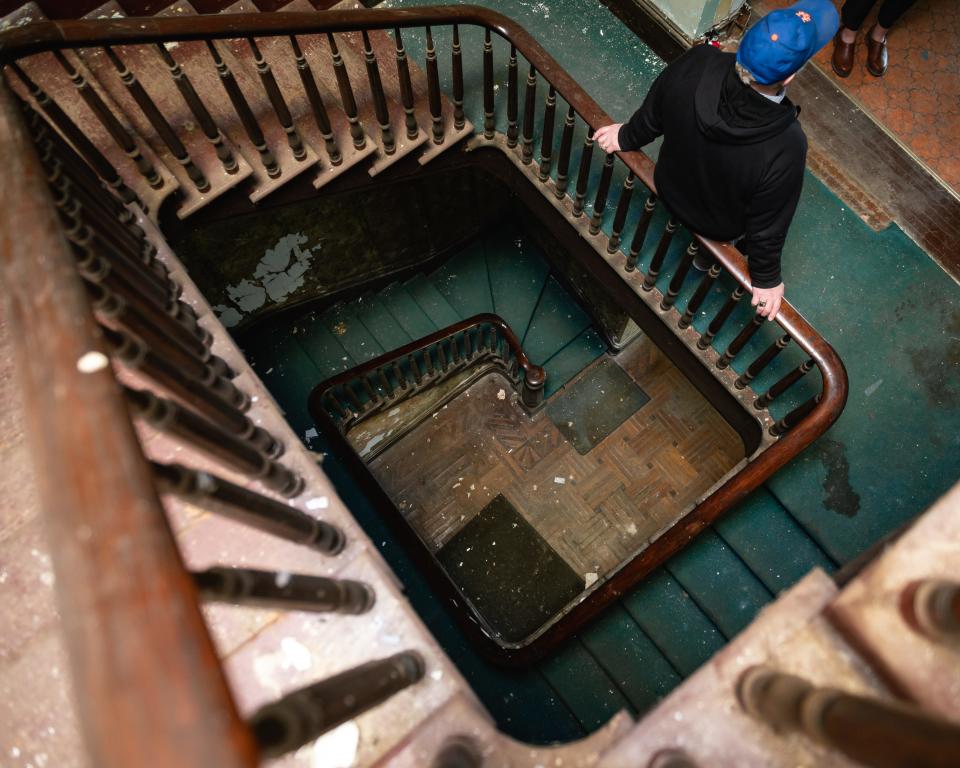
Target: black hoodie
[732, 160]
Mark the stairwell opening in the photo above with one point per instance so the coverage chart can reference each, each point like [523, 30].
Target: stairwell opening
[516, 514]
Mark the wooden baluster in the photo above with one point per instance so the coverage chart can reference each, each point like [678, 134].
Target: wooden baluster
[620, 217]
[640, 234]
[583, 175]
[353, 397]
[249, 121]
[458, 752]
[406, 88]
[699, 295]
[546, 138]
[379, 98]
[388, 388]
[721, 318]
[319, 109]
[456, 65]
[156, 119]
[529, 109]
[795, 416]
[740, 341]
[183, 423]
[656, 263]
[762, 361]
[433, 90]
[512, 99]
[932, 607]
[372, 395]
[272, 89]
[783, 384]
[868, 731]
[224, 416]
[284, 591]
[199, 110]
[428, 362]
[415, 369]
[454, 350]
[467, 345]
[603, 190]
[442, 357]
[401, 376]
[110, 121]
[116, 311]
[488, 116]
[100, 271]
[563, 159]
[346, 94]
[676, 282]
[276, 518]
[334, 406]
[86, 148]
[303, 715]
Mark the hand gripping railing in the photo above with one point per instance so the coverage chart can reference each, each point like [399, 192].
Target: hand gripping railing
[481, 341]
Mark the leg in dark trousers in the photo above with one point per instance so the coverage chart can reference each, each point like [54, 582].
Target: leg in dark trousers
[855, 11]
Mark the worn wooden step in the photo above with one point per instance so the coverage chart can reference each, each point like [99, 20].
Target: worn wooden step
[279, 54]
[147, 65]
[50, 76]
[197, 62]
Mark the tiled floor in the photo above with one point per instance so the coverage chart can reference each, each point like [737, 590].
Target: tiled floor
[594, 509]
[918, 100]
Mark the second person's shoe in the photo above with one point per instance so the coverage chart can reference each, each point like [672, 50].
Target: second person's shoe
[842, 59]
[876, 55]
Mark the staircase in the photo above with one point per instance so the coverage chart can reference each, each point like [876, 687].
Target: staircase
[636, 652]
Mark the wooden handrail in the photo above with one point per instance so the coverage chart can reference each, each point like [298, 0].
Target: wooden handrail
[533, 374]
[146, 676]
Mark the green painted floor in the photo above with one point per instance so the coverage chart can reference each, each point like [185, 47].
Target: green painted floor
[892, 314]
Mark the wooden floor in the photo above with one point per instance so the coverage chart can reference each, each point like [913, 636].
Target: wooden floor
[595, 509]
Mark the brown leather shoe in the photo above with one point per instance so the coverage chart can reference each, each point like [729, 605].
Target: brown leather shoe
[876, 55]
[842, 59]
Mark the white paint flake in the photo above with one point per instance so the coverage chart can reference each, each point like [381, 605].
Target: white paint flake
[502, 394]
[559, 480]
[873, 387]
[589, 579]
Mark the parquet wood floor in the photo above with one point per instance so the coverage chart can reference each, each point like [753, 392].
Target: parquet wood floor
[596, 509]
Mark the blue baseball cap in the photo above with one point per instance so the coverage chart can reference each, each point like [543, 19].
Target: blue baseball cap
[783, 41]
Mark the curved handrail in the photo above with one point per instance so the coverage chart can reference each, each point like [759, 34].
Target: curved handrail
[534, 377]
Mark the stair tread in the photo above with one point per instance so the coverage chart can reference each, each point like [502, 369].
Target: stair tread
[666, 612]
[380, 322]
[572, 359]
[50, 76]
[145, 62]
[557, 320]
[322, 346]
[586, 689]
[278, 52]
[775, 547]
[431, 301]
[407, 312]
[712, 573]
[517, 274]
[644, 675]
[346, 327]
[464, 282]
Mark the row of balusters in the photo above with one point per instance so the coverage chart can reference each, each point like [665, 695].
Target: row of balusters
[383, 385]
[520, 134]
[246, 115]
[149, 330]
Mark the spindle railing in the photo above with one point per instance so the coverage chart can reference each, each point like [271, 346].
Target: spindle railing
[85, 283]
[477, 345]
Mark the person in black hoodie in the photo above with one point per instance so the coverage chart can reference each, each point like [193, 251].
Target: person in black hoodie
[731, 165]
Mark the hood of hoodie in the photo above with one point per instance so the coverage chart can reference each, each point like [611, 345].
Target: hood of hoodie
[731, 112]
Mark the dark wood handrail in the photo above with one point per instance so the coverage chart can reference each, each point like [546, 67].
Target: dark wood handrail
[533, 374]
[147, 679]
